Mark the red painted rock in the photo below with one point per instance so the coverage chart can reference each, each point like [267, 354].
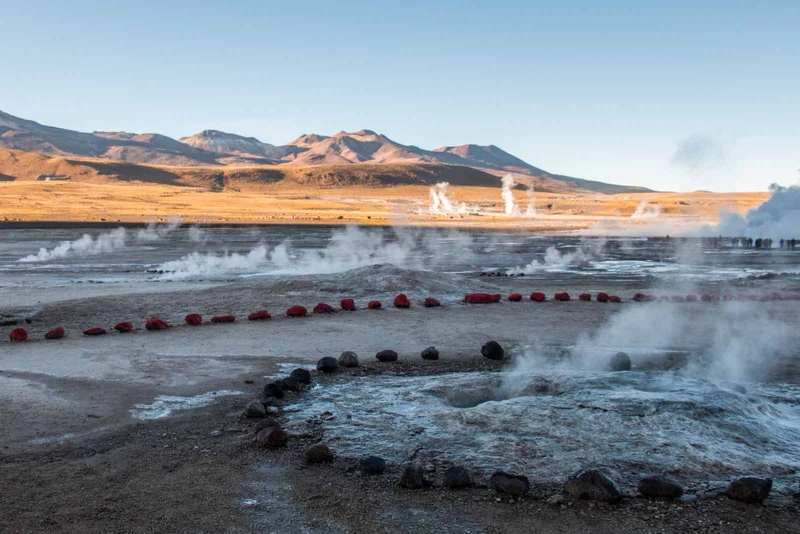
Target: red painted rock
[562, 297]
[602, 297]
[348, 304]
[56, 333]
[123, 327]
[260, 315]
[537, 296]
[586, 297]
[691, 298]
[223, 319]
[651, 298]
[272, 437]
[431, 302]
[154, 323]
[705, 297]
[374, 305]
[614, 298]
[639, 297]
[678, 298]
[727, 296]
[401, 301]
[664, 298]
[481, 298]
[96, 331]
[296, 311]
[194, 319]
[18, 335]
[324, 308]
[515, 297]
[775, 296]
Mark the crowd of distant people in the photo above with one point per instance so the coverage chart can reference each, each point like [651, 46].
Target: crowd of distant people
[749, 242]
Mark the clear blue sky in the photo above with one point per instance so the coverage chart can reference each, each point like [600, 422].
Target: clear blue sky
[678, 95]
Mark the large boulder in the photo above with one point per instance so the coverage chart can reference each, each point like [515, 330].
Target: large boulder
[386, 356]
[750, 489]
[255, 409]
[272, 437]
[56, 333]
[493, 351]
[538, 296]
[515, 297]
[374, 305]
[593, 484]
[296, 311]
[430, 354]
[291, 383]
[154, 323]
[401, 301]
[96, 331]
[318, 454]
[274, 389]
[123, 327]
[18, 335]
[413, 477]
[348, 359]
[347, 304]
[223, 319]
[659, 487]
[260, 315]
[328, 364]
[193, 319]
[323, 308]
[431, 302]
[458, 477]
[482, 298]
[372, 465]
[513, 485]
[302, 375]
[620, 362]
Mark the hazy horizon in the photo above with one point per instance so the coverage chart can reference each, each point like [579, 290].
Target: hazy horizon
[688, 97]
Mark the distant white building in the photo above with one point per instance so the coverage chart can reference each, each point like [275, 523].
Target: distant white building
[53, 178]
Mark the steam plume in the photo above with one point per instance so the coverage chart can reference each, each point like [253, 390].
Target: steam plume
[508, 195]
[84, 246]
[777, 218]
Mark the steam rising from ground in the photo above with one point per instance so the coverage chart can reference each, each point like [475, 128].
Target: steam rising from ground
[646, 210]
[348, 248]
[441, 203]
[589, 249]
[777, 218]
[103, 243]
[508, 195]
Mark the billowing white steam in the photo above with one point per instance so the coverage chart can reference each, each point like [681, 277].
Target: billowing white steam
[349, 248]
[103, 243]
[646, 210]
[508, 195]
[84, 246]
[530, 211]
[196, 234]
[155, 232]
[589, 249]
[777, 218]
[441, 203]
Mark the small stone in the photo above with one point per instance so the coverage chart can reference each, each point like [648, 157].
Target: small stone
[328, 364]
[386, 356]
[348, 359]
[373, 465]
[594, 485]
[413, 477]
[513, 485]
[272, 437]
[458, 477]
[660, 487]
[556, 500]
[430, 354]
[302, 375]
[268, 422]
[273, 389]
[620, 362]
[493, 350]
[319, 453]
[750, 489]
[255, 409]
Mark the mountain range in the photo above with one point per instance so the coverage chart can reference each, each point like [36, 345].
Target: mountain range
[213, 148]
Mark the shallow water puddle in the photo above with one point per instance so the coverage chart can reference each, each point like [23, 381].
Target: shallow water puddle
[164, 405]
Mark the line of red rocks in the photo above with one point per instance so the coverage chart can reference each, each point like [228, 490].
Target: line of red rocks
[401, 301]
